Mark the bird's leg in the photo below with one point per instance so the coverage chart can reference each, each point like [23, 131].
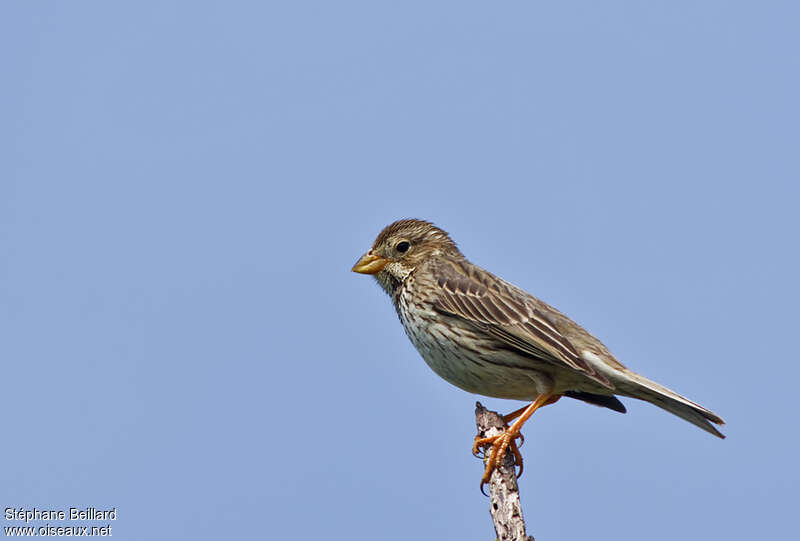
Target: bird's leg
[513, 415]
[516, 413]
[505, 441]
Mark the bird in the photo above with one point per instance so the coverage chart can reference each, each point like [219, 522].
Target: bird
[489, 337]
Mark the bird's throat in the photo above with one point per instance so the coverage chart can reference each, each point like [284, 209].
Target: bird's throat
[388, 282]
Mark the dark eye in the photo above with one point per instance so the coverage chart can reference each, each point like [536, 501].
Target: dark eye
[402, 247]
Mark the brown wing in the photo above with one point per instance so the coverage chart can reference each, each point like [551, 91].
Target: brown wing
[508, 313]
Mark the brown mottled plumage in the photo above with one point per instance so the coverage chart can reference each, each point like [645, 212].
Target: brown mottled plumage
[489, 337]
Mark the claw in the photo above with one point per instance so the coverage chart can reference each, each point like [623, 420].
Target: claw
[500, 444]
[476, 450]
[518, 457]
[507, 439]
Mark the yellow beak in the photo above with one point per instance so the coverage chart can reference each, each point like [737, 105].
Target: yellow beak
[370, 263]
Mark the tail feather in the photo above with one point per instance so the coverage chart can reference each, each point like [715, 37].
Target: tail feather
[602, 400]
[650, 391]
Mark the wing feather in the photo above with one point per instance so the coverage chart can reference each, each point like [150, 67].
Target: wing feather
[509, 314]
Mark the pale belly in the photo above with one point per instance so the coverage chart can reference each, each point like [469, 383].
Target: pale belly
[466, 358]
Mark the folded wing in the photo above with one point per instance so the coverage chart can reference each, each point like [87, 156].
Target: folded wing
[509, 314]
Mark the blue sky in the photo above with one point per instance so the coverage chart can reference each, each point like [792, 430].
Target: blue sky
[184, 187]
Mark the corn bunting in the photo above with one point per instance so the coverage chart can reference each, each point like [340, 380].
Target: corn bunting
[488, 337]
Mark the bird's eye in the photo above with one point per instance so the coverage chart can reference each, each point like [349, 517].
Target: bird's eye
[402, 247]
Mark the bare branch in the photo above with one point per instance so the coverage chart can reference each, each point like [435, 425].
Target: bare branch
[504, 501]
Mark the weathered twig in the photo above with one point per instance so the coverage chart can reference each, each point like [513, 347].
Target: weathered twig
[504, 501]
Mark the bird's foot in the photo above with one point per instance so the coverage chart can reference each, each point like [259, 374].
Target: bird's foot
[500, 444]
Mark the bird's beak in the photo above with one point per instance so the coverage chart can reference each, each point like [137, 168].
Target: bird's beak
[370, 264]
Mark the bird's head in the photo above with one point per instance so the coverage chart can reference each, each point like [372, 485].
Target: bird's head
[402, 247]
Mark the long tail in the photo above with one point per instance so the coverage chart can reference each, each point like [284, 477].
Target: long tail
[644, 389]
